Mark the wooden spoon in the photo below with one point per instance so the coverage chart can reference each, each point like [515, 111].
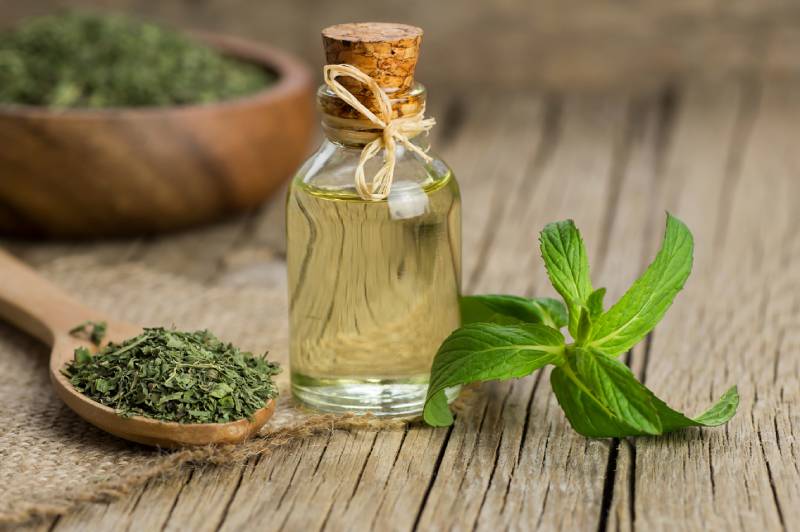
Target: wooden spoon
[43, 310]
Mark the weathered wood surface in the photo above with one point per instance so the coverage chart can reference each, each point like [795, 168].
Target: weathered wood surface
[721, 156]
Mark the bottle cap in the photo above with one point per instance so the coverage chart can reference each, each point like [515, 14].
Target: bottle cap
[386, 52]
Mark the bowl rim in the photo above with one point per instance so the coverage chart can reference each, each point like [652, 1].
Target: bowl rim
[292, 76]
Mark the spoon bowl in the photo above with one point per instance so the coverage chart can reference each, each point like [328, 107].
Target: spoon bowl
[43, 310]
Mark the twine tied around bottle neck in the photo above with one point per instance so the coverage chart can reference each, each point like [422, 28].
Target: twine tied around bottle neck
[389, 131]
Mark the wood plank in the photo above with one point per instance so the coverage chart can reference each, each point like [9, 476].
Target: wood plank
[141, 506]
[628, 184]
[499, 455]
[267, 482]
[730, 325]
[683, 152]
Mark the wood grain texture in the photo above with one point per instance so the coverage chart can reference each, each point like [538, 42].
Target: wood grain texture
[722, 157]
[80, 173]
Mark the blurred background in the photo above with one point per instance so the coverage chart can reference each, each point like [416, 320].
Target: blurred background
[555, 43]
[212, 162]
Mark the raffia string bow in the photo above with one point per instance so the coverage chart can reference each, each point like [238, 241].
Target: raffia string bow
[391, 131]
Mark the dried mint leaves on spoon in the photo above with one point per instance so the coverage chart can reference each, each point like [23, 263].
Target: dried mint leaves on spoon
[169, 375]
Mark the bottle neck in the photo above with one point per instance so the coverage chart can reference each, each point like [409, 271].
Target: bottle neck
[336, 138]
[344, 125]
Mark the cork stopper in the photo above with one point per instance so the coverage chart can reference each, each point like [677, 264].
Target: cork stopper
[386, 52]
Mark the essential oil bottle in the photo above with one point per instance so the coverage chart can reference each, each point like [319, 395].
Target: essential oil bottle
[374, 274]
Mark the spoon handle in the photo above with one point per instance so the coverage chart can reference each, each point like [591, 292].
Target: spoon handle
[36, 306]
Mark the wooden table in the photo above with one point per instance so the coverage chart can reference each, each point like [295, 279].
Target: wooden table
[725, 157]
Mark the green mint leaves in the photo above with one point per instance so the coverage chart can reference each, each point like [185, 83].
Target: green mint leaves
[645, 303]
[505, 337]
[568, 267]
[488, 351]
[507, 310]
[602, 399]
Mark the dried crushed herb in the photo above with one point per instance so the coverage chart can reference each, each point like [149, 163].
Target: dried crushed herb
[186, 377]
[92, 60]
[94, 331]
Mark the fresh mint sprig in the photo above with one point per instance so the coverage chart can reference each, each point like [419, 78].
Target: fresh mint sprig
[504, 337]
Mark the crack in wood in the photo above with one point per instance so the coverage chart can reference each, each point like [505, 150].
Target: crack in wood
[475, 445]
[177, 498]
[497, 452]
[288, 484]
[326, 518]
[648, 347]
[231, 499]
[772, 487]
[544, 506]
[491, 478]
[432, 480]
[711, 471]
[526, 423]
[361, 472]
[391, 469]
[322, 454]
[55, 523]
[608, 486]
[777, 358]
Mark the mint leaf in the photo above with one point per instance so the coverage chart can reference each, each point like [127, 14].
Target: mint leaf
[607, 386]
[602, 399]
[584, 326]
[645, 303]
[82, 355]
[587, 415]
[487, 351]
[554, 309]
[595, 302]
[509, 310]
[615, 386]
[567, 266]
[721, 412]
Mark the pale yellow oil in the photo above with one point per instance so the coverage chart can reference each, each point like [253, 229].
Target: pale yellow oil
[373, 288]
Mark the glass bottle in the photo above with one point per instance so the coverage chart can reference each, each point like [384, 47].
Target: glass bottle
[373, 284]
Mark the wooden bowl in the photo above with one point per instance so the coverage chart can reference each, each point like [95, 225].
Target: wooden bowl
[112, 172]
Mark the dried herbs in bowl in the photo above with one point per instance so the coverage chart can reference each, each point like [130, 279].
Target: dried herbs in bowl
[132, 115]
[169, 375]
[92, 60]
